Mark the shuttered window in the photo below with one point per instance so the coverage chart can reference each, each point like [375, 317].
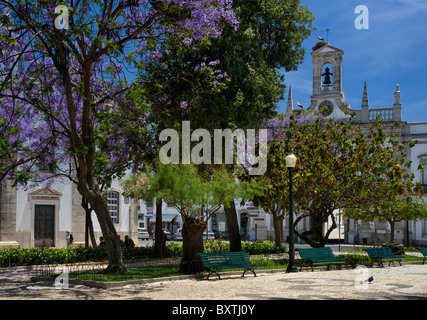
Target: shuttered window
[113, 205]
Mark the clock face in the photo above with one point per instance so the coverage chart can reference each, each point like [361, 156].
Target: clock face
[326, 108]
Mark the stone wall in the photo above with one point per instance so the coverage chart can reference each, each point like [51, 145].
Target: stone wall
[7, 212]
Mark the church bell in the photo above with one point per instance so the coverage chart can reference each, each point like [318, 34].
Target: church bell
[327, 81]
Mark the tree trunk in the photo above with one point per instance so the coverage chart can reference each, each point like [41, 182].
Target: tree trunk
[91, 231]
[391, 231]
[192, 236]
[278, 230]
[99, 205]
[233, 228]
[159, 235]
[317, 239]
[89, 225]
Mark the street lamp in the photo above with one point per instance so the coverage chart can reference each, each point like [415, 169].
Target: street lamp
[290, 164]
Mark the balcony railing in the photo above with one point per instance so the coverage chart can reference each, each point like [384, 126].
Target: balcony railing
[384, 113]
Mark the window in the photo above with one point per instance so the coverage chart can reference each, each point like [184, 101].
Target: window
[113, 205]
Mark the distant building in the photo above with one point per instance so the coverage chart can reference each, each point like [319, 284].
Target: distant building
[328, 98]
[41, 216]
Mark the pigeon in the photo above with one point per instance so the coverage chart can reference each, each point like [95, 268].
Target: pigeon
[320, 38]
[300, 105]
[370, 279]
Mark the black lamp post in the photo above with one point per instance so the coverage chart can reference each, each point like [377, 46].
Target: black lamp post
[290, 164]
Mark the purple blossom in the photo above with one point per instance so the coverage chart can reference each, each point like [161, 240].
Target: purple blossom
[184, 105]
[34, 110]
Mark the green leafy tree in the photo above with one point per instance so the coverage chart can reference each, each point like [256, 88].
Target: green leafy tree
[397, 198]
[194, 195]
[248, 64]
[393, 210]
[338, 166]
[275, 182]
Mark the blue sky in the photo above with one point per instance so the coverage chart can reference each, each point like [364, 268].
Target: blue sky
[392, 51]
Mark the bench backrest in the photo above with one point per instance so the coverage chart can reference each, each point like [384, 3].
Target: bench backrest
[380, 252]
[316, 253]
[423, 250]
[224, 258]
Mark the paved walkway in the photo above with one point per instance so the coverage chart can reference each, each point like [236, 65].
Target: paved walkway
[406, 282]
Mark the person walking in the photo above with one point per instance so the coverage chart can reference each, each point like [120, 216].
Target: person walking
[69, 238]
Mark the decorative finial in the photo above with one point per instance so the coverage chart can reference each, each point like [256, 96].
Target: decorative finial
[397, 94]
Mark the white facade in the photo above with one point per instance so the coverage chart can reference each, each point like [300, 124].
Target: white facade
[124, 213]
[40, 216]
[418, 155]
[59, 196]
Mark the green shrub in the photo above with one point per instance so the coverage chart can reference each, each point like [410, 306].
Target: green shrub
[10, 257]
[174, 249]
[355, 259]
[217, 246]
[261, 247]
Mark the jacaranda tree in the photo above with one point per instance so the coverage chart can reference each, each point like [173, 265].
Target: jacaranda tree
[64, 71]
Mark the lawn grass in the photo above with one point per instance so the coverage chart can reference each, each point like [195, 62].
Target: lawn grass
[147, 272]
[153, 271]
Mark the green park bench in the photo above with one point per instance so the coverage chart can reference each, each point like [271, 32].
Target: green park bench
[216, 261]
[382, 254]
[312, 256]
[424, 252]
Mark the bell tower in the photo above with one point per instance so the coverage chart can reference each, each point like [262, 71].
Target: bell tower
[328, 97]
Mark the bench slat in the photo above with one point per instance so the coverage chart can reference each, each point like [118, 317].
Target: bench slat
[227, 260]
[424, 253]
[383, 253]
[313, 256]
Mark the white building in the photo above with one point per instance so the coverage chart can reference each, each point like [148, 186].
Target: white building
[328, 98]
[40, 216]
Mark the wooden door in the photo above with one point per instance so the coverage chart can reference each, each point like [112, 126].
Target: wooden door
[44, 230]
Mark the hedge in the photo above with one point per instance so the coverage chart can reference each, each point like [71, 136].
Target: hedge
[10, 257]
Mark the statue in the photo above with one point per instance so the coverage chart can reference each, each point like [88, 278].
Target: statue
[327, 82]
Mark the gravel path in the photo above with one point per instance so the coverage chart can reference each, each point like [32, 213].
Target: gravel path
[406, 282]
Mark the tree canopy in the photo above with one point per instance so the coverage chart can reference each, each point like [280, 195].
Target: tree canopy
[338, 166]
[69, 80]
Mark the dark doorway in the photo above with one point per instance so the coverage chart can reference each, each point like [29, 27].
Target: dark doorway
[44, 230]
